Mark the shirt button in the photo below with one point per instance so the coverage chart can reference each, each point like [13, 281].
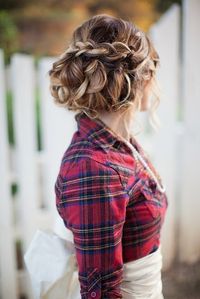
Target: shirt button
[93, 294]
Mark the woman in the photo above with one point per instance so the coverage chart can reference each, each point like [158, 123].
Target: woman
[107, 191]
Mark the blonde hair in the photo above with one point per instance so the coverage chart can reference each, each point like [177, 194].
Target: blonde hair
[105, 68]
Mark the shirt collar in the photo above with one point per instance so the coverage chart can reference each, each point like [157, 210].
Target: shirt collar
[99, 133]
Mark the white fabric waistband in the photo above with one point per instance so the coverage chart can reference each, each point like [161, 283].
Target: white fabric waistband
[142, 277]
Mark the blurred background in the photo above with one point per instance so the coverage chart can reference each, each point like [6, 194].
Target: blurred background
[34, 132]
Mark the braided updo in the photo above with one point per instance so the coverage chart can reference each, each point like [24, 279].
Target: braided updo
[105, 66]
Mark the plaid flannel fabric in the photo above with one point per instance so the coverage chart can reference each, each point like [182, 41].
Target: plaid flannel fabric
[110, 203]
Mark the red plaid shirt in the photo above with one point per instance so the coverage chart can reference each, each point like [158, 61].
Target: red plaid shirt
[110, 203]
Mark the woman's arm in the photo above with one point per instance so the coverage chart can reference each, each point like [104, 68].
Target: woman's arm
[92, 203]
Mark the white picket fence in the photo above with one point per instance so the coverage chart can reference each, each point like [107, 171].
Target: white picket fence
[173, 150]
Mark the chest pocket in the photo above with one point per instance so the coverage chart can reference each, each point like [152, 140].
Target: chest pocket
[153, 199]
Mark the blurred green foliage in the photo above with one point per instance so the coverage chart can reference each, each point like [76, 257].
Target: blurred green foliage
[8, 35]
[24, 24]
[10, 128]
[9, 105]
[38, 118]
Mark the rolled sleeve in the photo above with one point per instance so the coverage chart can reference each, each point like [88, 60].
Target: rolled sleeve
[92, 203]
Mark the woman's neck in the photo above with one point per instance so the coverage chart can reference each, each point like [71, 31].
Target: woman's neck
[114, 120]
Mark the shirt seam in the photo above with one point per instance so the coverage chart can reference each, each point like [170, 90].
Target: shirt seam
[99, 162]
[115, 170]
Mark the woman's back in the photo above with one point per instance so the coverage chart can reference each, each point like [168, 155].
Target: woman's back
[110, 203]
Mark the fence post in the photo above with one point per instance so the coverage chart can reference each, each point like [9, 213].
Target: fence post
[23, 90]
[189, 245]
[165, 141]
[8, 282]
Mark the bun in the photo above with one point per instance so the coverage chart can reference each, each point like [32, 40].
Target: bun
[98, 73]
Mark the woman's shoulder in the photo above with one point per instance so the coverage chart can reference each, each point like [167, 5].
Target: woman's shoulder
[82, 156]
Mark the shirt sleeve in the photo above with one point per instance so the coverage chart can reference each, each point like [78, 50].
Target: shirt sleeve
[92, 203]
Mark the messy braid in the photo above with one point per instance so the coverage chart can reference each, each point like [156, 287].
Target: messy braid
[104, 68]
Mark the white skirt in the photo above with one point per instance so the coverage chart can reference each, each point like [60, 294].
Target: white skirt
[52, 266]
[142, 277]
